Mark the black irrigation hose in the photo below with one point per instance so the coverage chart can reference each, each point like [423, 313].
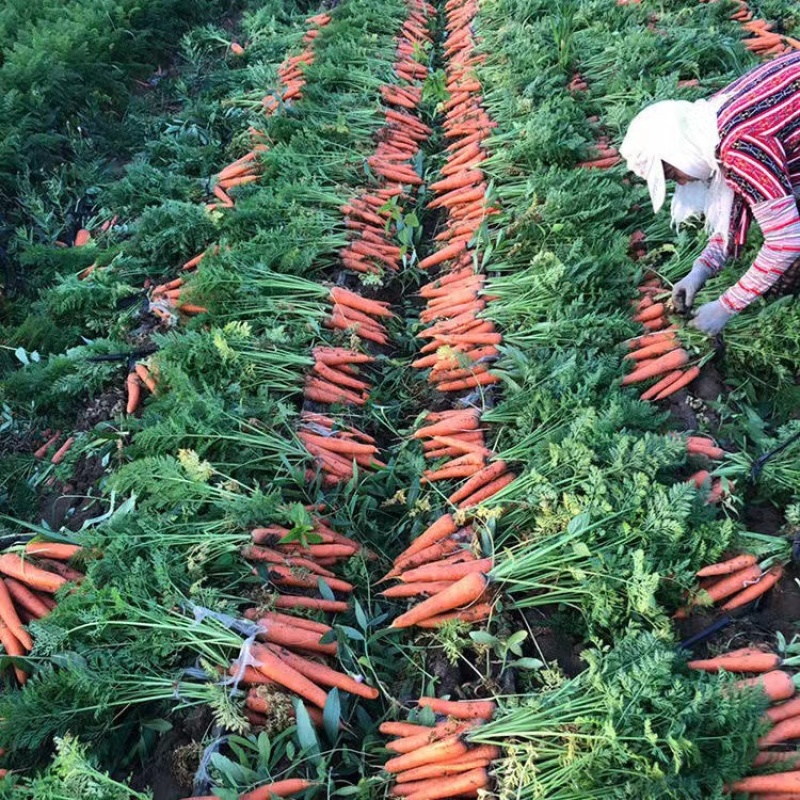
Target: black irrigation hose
[758, 464]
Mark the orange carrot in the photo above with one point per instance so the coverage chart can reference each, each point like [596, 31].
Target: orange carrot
[658, 366]
[9, 616]
[664, 383]
[467, 783]
[684, 380]
[62, 451]
[727, 567]
[460, 709]
[438, 572]
[785, 730]
[751, 593]
[13, 566]
[26, 599]
[438, 752]
[42, 451]
[451, 251]
[273, 668]
[61, 552]
[288, 601]
[277, 789]
[13, 648]
[753, 661]
[462, 593]
[475, 613]
[783, 782]
[440, 529]
[777, 685]
[732, 583]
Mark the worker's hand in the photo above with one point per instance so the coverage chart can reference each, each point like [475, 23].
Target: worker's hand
[684, 291]
[711, 318]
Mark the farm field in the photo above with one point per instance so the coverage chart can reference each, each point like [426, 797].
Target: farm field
[350, 444]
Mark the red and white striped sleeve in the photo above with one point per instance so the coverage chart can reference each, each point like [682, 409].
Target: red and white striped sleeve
[779, 221]
[715, 255]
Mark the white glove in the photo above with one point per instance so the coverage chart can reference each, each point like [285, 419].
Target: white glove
[712, 317]
[685, 290]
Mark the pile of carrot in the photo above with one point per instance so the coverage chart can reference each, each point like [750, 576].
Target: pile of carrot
[267, 791]
[138, 377]
[334, 377]
[335, 447]
[456, 435]
[352, 312]
[657, 354]
[435, 761]
[763, 41]
[27, 586]
[370, 249]
[441, 564]
[238, 173]
[782, 719]
[733, 583]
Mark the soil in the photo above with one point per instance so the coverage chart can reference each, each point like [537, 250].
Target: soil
[170, 769]
[551, 645]
[101, 409]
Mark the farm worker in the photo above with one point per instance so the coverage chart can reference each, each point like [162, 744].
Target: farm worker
[734, 157]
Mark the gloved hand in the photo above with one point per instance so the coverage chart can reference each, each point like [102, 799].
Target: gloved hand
[684, 291]
[711, 318]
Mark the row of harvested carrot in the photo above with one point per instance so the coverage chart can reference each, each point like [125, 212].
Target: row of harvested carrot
[462, 346]
[335, 378]
[27, 586]
[367, 217]
[435, 761]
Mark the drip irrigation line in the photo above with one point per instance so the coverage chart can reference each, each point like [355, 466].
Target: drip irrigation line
[758, 464]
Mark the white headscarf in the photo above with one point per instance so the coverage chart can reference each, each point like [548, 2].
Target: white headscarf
[684, 135]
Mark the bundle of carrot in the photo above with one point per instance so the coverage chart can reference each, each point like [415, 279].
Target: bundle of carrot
[333, 378]
[353, 312]
[370, 249]
[293, 564]
[290, 72]
[139, 376]
[335, 447]
[237, 173]
[27, 589]
[657, 354]
[737, 581]
[435, 761]
[441, 564]
[763, 42]
[327, 549]
[267, 791]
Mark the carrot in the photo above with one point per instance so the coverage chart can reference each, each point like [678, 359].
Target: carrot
[278, 789]
[13, 566]
[437, 572]
[658, 366]
[429, 555]
[754, 661]
[407, 744]
[266, 617]
[9, 616]
[353, 300]
[652, 312]
[784, 731]
[451, 251]
[460, 709]
[26, 599]
[273, 668]
[467, 783]
[732, 583]
[438, 752]
[288, 601]
[443, 527]
[13, 647]
[783, 711]
[462, 593]
[662, 384]
[82, 237]
[61, 552]
[296, 637]
[779, 782]
[767, 758]
[777, 685]
[284, 576]
[325, 676]
[474, 757]
[475, 613]
[62, 451]
[684, 380]
[655, 349]
[751, 593]
[455, 424]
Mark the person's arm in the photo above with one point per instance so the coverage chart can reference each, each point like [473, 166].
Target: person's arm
[708, 263]
[756, 169]
[715, 255]
[779, 221]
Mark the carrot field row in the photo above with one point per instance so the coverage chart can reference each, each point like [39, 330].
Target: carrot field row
[352, 447]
